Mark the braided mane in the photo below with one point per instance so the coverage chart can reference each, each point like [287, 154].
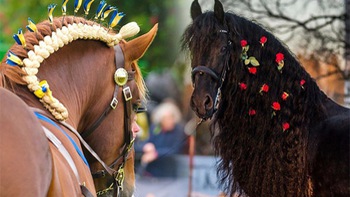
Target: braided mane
[48, 39]
[255, 148]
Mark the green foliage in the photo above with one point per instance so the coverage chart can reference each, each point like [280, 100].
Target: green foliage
[161, 54]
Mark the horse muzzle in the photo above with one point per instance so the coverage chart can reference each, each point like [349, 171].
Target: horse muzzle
[204, 108]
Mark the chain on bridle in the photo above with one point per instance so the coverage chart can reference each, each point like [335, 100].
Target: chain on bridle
[220, 78]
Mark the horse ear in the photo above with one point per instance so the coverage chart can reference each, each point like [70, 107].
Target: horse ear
[219, 11]
[136, 48]
[196, 9]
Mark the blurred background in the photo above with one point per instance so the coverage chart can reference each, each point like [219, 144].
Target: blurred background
[316, 31]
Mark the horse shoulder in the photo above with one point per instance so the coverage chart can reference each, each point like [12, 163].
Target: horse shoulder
[331, 150]
[64, 181]
[25, 159]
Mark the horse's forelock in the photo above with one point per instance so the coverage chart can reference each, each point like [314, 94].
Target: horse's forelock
[140, 81]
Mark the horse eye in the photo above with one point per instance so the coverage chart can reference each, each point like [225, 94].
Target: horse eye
[223, 49]
[139, 108]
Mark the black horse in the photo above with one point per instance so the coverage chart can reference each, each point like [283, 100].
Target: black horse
[276, 132]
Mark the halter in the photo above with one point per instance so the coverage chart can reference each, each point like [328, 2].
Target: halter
[219, 78]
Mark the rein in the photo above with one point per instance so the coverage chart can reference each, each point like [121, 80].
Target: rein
[220, 79]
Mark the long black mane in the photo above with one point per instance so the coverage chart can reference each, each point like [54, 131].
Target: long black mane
[252, 139]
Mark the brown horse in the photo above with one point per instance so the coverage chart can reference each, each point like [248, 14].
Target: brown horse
[276, 132]
[80, 76]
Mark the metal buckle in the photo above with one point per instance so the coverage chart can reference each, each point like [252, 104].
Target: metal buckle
[127, 93]
[114, 103]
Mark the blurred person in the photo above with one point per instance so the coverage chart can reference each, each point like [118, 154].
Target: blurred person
[166, 138]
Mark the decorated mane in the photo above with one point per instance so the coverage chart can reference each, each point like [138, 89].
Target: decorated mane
[41, 40]
[268, 105]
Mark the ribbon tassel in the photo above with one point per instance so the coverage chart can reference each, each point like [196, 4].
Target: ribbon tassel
[50, 10]
[87, 5]
[107, 11]
[31, 26]
[100, 9]
[64, 7]
[19, 38]
[115, 18]
[77, 5]
[13, 60]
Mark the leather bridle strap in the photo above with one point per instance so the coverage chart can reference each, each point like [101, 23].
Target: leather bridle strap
[119, 60]
[204, 69]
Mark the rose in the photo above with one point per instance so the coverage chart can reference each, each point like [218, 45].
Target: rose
[276, 106]
[302, 82]
[279, 57]
[244, 43]
[243, 86]
[264, 88]
[285, 95]
[252, 112]
[263, 40]
[285, 126]
[252, 70]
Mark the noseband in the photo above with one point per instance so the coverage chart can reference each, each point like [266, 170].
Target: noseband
[118, 175]
[218, 78]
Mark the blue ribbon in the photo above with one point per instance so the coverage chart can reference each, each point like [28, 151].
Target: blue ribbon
[46, 119]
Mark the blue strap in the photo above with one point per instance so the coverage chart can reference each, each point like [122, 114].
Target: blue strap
[44, 118]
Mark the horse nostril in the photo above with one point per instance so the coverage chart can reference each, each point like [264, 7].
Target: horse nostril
[208, 102]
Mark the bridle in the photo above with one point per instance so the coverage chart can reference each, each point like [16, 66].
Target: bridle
[121, 78]
[220, 78]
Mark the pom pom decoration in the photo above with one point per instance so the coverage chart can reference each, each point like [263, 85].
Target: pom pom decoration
[19, 38]
[129, 30]
[87, 5]
[100, 9]
[13, 60]
[50, 10]
[31, 26]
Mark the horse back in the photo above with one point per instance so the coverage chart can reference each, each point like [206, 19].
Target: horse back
[330, 166]
[25, 159]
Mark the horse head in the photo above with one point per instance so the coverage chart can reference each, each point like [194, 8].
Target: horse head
[210, 46]
[117, 153]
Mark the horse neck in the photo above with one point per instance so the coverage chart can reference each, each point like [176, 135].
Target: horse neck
[79, 75]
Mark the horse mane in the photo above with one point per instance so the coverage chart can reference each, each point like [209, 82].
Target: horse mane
[15, 73]
[12, 75]
[268, 146]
